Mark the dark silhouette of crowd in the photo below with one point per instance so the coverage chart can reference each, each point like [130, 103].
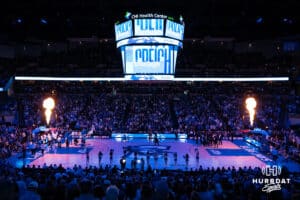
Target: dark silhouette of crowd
[12, 139]
[57, 182]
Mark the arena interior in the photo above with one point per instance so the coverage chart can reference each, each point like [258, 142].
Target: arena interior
[149, 100]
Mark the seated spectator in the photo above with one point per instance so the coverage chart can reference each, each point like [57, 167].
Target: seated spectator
[85, 190]
[112, 193]
[9, 190]
[32, 192]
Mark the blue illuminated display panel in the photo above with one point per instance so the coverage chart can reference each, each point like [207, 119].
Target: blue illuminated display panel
[174, 30]
[123, 30]
[150, 59]
[149, 45]
[148, 27]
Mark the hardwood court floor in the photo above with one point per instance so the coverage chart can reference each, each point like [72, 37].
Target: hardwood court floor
[226, 155]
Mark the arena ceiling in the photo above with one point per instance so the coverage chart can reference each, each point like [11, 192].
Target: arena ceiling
[59, 19]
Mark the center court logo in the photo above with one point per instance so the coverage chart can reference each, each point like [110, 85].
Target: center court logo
[272, 181]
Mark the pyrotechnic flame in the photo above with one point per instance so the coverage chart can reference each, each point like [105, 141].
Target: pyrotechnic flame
[48, 104]
[251, 105]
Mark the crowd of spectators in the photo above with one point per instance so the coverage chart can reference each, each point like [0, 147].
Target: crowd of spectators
[216, 110]
[124, 107]
[12, 140]
[57, 182]
[210, 109]
[147, 113]
[77, 111]
[287, 142]
[198, 58]
[195, 109]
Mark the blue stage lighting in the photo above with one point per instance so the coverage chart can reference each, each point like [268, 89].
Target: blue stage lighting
[44, 21]
[286, 20]
[259, 20]
[181, 18]
[19, 20]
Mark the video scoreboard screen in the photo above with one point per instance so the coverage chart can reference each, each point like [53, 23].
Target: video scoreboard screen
[123, 30]
[149, 27]
[150, 59]
[174, 30]
[149, 44]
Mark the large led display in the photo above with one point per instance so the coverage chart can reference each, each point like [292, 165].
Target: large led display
[149, 40]
[149, 45]
[123, 30]
[150, 59]
[148, 27]
[174, 30]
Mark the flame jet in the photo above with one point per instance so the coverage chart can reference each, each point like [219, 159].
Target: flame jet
[48, 104]
[251, 105]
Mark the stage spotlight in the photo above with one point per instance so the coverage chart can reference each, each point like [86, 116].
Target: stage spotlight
[259, 20]
[286, 20]
[43, 21]
[181, 18]
[19, 20]
[123, 163]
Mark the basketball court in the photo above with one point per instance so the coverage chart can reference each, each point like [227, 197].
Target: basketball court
[235, 153]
